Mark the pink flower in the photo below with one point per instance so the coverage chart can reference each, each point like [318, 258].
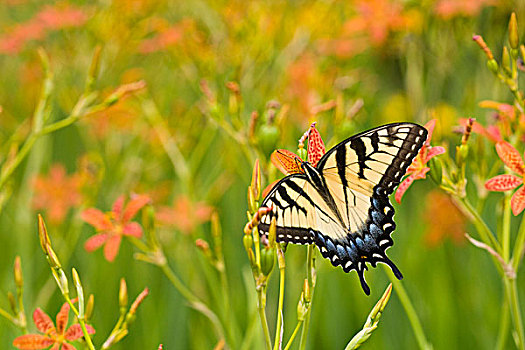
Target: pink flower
[418, 168]
[57, 336]
[512, 159]
[113, 225]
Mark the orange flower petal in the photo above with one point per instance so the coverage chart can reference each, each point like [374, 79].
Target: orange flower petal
[95, 242]
[111, 247]
[503, 183]
[97, 219]
[316, 148]
[134, 206]
[42, 321]
[287, 162]
[75, 332]
[62, 318]
[117, 207]
[269, 188]
[434, 151]
[33, 341]
[430, 125]
[517, 202]
[66, 346]
[511, 157]
[132, 229]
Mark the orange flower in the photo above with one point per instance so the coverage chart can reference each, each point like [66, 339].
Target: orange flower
[443, 219]
[57, 336]
[185, 215]
[56, 193]
[418, 168]
[113, 225]
[491, 132]
[512, 159]
[447, 9]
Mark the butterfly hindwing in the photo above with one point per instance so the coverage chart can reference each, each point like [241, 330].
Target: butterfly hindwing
[342, 204]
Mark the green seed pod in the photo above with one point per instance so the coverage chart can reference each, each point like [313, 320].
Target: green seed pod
[247, 241]
[461, 154]
[493, 66]
[302, 153]
[267, 260]
[268, 136]
[436, 170]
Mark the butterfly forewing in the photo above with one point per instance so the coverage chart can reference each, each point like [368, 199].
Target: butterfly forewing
[348, 216]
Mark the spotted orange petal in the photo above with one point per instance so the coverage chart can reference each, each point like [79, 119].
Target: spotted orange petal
[75, 332]
[97, 219]
[96, 241]
[403, 187]
[517, 202]
[430, 125]
[42, 321]
[33, 341]
[434, 151]
[511, 157]
[66, 346]
[62, 318]
[316, 148]
[287, 162]
[111, 248]
[134, 205]
[503, 183]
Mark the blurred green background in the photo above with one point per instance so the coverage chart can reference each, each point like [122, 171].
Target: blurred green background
[400, 60]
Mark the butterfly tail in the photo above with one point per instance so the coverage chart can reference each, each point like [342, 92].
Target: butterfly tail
[393, 267]
[366, 288]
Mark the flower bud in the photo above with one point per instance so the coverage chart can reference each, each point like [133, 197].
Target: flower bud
[80, 293]
[19, 281]
[138, 301]
[123, 294]
[256, 180]
[247, 241]
[505, 61]
[42, 233]
[272, 232]
[12, 302]
[302, 309]
[513, 32]
[461, 154]
[252, 205]
[90, 305]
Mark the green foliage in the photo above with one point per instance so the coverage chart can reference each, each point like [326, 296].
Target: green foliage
[177, 100]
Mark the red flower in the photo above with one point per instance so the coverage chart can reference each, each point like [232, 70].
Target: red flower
[56, 193]
[512, 159]
[418, 168]
[113, 225]
[57, 336]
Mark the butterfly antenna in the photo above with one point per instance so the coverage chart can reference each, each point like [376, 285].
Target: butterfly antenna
[393, 267]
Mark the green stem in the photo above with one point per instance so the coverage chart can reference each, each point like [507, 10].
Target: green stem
[7, 315]
[409, 310]
[504, 326]
[292, 337]
[82, 323]
[310, 275]
[484, 231]
[194, 301]
[512, 294]
[261, 304]
[278, 330]
[518, 246]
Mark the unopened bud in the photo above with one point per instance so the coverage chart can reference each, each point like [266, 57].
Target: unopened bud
[42, 233]
[272, 232]
[256, 180]
[513, 32]
[204, 247]
[17, 272]
[12, 302]
[90, 305]
[253, 123]
[302, 153]
[80, 293]
[252, 206]
[123, 294]
[268, 136]
[138, 301]
[505, 61]
[493, 66]
[247, 241]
